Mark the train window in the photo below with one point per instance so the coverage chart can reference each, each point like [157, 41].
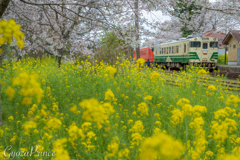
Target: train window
[205, 39]
[185, 48]
[213, 44]
[205, 45]
[169, 50]
[177, 49]
[172, 50]
[195, 44]
[234, 46]
[164, 50]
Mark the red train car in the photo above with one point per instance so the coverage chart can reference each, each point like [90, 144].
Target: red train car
[145, 53]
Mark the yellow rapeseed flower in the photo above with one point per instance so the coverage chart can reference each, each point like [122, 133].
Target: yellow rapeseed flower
[54, 123]
[212, 87]
[143, 109]
[161, 146]
[10, 92]
[29, 125]
[109, 96]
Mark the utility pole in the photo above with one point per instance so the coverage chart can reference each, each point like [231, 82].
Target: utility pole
[137, 29]
[225, 55]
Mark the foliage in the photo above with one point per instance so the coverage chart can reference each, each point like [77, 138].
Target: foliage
[221, 59]
[109, 47]
[185, 11]
[94, 112]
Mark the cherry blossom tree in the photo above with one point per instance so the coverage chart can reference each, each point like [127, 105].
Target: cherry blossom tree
[130, 23]
[67, 27]
[59, 28]
[196, 15]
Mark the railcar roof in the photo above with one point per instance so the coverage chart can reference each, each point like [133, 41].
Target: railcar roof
[190, 39]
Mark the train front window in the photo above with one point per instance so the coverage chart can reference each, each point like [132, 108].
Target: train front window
[195, 44]
[213, 44]
[205, 46]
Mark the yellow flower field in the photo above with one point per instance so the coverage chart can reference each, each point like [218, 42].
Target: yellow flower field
[116, 112]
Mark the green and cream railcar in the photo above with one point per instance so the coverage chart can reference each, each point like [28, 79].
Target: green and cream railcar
[176, 54]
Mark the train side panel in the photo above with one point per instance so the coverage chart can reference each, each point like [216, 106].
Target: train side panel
[145, 53]
[172, 52]
[200, 50]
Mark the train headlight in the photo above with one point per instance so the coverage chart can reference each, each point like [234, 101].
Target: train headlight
[212, 59]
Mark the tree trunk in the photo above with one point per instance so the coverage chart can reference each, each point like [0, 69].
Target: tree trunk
[137, 28]
[59, 61]
[41, 56]
[3, 6]
[19, 58]
[60, 51]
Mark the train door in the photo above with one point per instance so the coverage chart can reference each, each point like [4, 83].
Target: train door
[151, 54]
[185, 48]
[205, 48]
[205, 51]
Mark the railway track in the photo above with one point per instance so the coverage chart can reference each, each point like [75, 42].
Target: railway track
[230, 84]
[229, 75]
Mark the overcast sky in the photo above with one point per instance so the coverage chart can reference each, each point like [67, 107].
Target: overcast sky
[156, 16]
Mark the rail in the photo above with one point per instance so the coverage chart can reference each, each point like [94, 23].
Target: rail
[230, 85]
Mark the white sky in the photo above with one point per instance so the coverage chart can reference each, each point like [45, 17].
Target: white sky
[156, 16]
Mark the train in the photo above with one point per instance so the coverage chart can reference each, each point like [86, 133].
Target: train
[202, 51]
